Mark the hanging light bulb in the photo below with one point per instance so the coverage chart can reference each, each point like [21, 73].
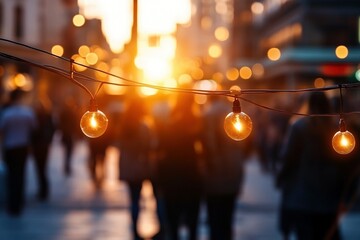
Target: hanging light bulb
[237, 124]
[343, 141]
[94, 122]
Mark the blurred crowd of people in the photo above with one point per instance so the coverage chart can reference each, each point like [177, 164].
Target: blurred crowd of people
[183, 150]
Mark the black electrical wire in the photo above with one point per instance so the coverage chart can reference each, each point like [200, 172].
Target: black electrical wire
[76, 77]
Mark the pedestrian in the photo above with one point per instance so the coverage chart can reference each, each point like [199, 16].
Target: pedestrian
[98, 147]
[179, 169]
[41, 143]
[96, 161]
[17, 124]
[135, 146]
[224, 169]
[313, 178]
[160, 113]
[68, 129]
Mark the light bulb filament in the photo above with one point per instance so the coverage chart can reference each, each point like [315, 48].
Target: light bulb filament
[93, 122]
[344, 141]
[238, 126]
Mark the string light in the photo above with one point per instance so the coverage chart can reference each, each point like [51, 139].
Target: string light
[94, 122]
[237, 124]
[343, 141]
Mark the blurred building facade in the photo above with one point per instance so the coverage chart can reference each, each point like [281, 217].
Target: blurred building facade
[223, 36]
[32, 23]
[206, 40]
[306, 34]
[39, 23]
[43, 24]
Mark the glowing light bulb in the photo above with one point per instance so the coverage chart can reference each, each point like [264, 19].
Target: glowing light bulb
[237, 124]
[343, 141]
[94, 122]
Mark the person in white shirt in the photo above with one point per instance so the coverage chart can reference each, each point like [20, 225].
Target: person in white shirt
[17, 122]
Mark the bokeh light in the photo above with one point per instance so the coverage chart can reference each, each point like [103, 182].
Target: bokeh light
[232, 74]
[357, 75]
[319, 83]
[215, 51]
[84, 50]
[245, 72]
[57, 50]
[257, 8]
[78, 20]
[274, 54]
[92, 58]
[221, 33]
[78, 59]
[341, 52]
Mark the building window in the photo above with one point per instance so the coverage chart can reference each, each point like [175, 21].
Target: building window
[19, 22]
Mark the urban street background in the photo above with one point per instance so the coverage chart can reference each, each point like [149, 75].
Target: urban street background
[77, 211]
[208, 45]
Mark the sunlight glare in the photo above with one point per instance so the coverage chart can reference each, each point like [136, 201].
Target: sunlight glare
[152, 14]
[116, 19]
[157, 19]
[113, 89]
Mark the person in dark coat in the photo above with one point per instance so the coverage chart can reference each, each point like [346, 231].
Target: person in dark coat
[313, 178]
[41, 142]
[68, 119]
[179, 169]
[224, 169]
[135, 146]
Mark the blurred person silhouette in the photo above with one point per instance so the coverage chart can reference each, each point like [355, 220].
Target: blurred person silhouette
[135, 146]
[269, 135]
[41, 143]
[224, 169]
[313, 178]
[98, 147]
[160, 112]
[17, 124]
[275, 129]
[96, 161]
[179, 168]
[67, 117]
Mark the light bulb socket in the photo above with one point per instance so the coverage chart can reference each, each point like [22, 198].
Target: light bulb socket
[342, 125]
[93, 105]
[236, 106]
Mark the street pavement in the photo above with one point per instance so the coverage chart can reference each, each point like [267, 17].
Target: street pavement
[77, 211]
